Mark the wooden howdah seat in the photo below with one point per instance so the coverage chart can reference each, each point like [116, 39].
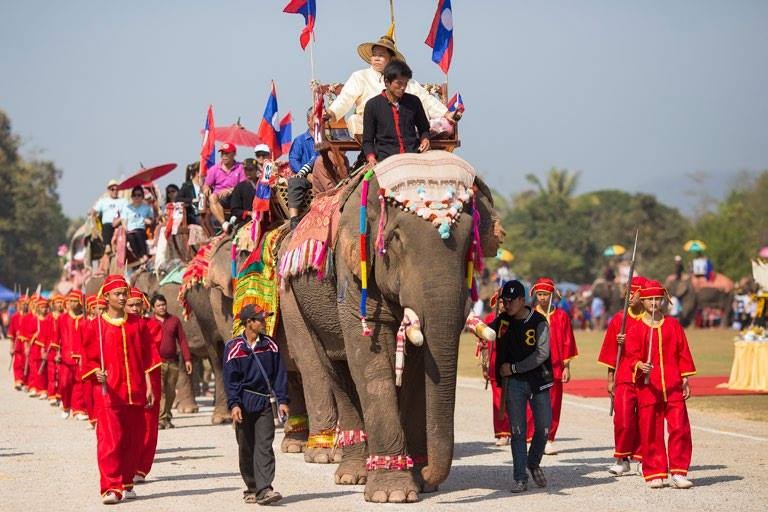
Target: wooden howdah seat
[336, 136]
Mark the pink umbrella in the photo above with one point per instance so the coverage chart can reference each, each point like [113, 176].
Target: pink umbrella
[237, 135]
[763, 253]
[144, 175]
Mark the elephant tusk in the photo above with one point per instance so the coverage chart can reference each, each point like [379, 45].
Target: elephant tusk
[413, 327]
[479, 328]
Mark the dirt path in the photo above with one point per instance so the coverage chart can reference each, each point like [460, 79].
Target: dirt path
[47, 463]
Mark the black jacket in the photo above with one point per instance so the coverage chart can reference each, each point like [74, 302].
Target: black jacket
[381, 138]
[186, 195]
[524, 344]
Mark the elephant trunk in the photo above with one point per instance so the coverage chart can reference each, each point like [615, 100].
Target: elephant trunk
[440, 361]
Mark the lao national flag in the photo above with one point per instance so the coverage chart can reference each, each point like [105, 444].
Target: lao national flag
[208, 150]
[284, 134]
[268, 131]
[440, 37]
[456, 104]
[307, 9]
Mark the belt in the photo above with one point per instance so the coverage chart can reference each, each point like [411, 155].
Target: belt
[256, 393]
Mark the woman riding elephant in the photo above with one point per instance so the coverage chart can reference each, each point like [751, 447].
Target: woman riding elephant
[394, 417]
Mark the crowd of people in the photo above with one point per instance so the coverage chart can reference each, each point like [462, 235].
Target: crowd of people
[111, 359]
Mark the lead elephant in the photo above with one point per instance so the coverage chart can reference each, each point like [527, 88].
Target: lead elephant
[214, 315]
[405, 432]
[694, 298]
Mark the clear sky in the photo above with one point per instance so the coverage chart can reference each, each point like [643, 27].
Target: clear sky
[635, 94]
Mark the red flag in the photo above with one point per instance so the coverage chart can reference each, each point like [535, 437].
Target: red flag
[208, 150]
[440, 37]
[307, 9]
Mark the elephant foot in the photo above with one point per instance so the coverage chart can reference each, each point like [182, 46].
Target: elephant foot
[391, 486]
[188, 408]
[220, 417]
[294, 442]
[322, 456]
[351, 472]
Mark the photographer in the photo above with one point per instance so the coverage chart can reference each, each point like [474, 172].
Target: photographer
[524, 368]
[254, 379]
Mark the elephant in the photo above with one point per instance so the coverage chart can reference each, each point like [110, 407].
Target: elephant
[407, 431]
[611, 294]
[694, 298]
[212, 304]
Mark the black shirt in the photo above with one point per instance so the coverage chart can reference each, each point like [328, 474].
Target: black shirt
[382, 136]
[241, 200]
[186, 195]
[524, 344]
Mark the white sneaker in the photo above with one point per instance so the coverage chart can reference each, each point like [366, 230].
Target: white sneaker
[225, 227]
[129, 494]
[138, 479]
[53, 402]
[81, 417]
[621, 467]
[681, 482]
[639, 468]
[549, 448]
[32, 394]
[64, 415]
[110, 498]
[656, 483]
[502, 441]
[43, 395]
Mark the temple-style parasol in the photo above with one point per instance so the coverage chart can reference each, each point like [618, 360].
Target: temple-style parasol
[694, 246]
[505, 255]
[145, 175]
[614, 250]
[237, 135]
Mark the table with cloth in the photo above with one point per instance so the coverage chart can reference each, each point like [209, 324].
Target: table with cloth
[750, 366]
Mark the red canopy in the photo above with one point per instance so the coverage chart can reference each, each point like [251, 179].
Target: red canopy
[144, 175]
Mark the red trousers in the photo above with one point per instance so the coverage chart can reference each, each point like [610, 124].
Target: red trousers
[625, 422]
[658, 461]
[53, 368]
[500, 426]
[119, 438]
[38, 382]
[556, 399]
[151, 421]
[18, 363]
[71, 388]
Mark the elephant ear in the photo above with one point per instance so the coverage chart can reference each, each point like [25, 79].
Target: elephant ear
[491, 231]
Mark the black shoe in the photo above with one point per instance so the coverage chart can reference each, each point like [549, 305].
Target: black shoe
[519, 486]
[538, 476]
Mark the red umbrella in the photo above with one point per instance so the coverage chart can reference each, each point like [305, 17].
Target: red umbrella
[143, 175]
[237, 135]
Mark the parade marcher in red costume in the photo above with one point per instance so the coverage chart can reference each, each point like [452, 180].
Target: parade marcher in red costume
[27, 330]
[18, 341]
[119, 358]
[53, 351]
[562, 346]
[94, 307]
[137, 304]
[44, 334]
[71, 327]
[662, 364]
[620, 383]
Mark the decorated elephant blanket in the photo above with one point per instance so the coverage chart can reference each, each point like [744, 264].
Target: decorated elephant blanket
[197, 271]
[310, 247]
[257, 281]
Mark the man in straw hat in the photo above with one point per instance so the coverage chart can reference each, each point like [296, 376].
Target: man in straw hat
[562, 348]
[662, 364]
[119, 358]
[620, 382]
[367, 83]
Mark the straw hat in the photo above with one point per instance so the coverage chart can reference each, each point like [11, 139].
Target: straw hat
[365, 50]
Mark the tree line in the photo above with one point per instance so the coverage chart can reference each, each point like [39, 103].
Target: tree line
[554, 232]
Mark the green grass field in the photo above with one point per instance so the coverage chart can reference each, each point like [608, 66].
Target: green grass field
[712, 352]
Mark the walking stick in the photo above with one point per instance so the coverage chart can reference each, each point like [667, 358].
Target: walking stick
[650, 343]
[623, 330]
[101, 357]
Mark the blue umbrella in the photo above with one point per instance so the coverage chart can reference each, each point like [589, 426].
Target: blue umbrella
[6, 294]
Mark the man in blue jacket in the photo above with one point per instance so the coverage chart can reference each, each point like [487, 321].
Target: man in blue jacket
[253, 376]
